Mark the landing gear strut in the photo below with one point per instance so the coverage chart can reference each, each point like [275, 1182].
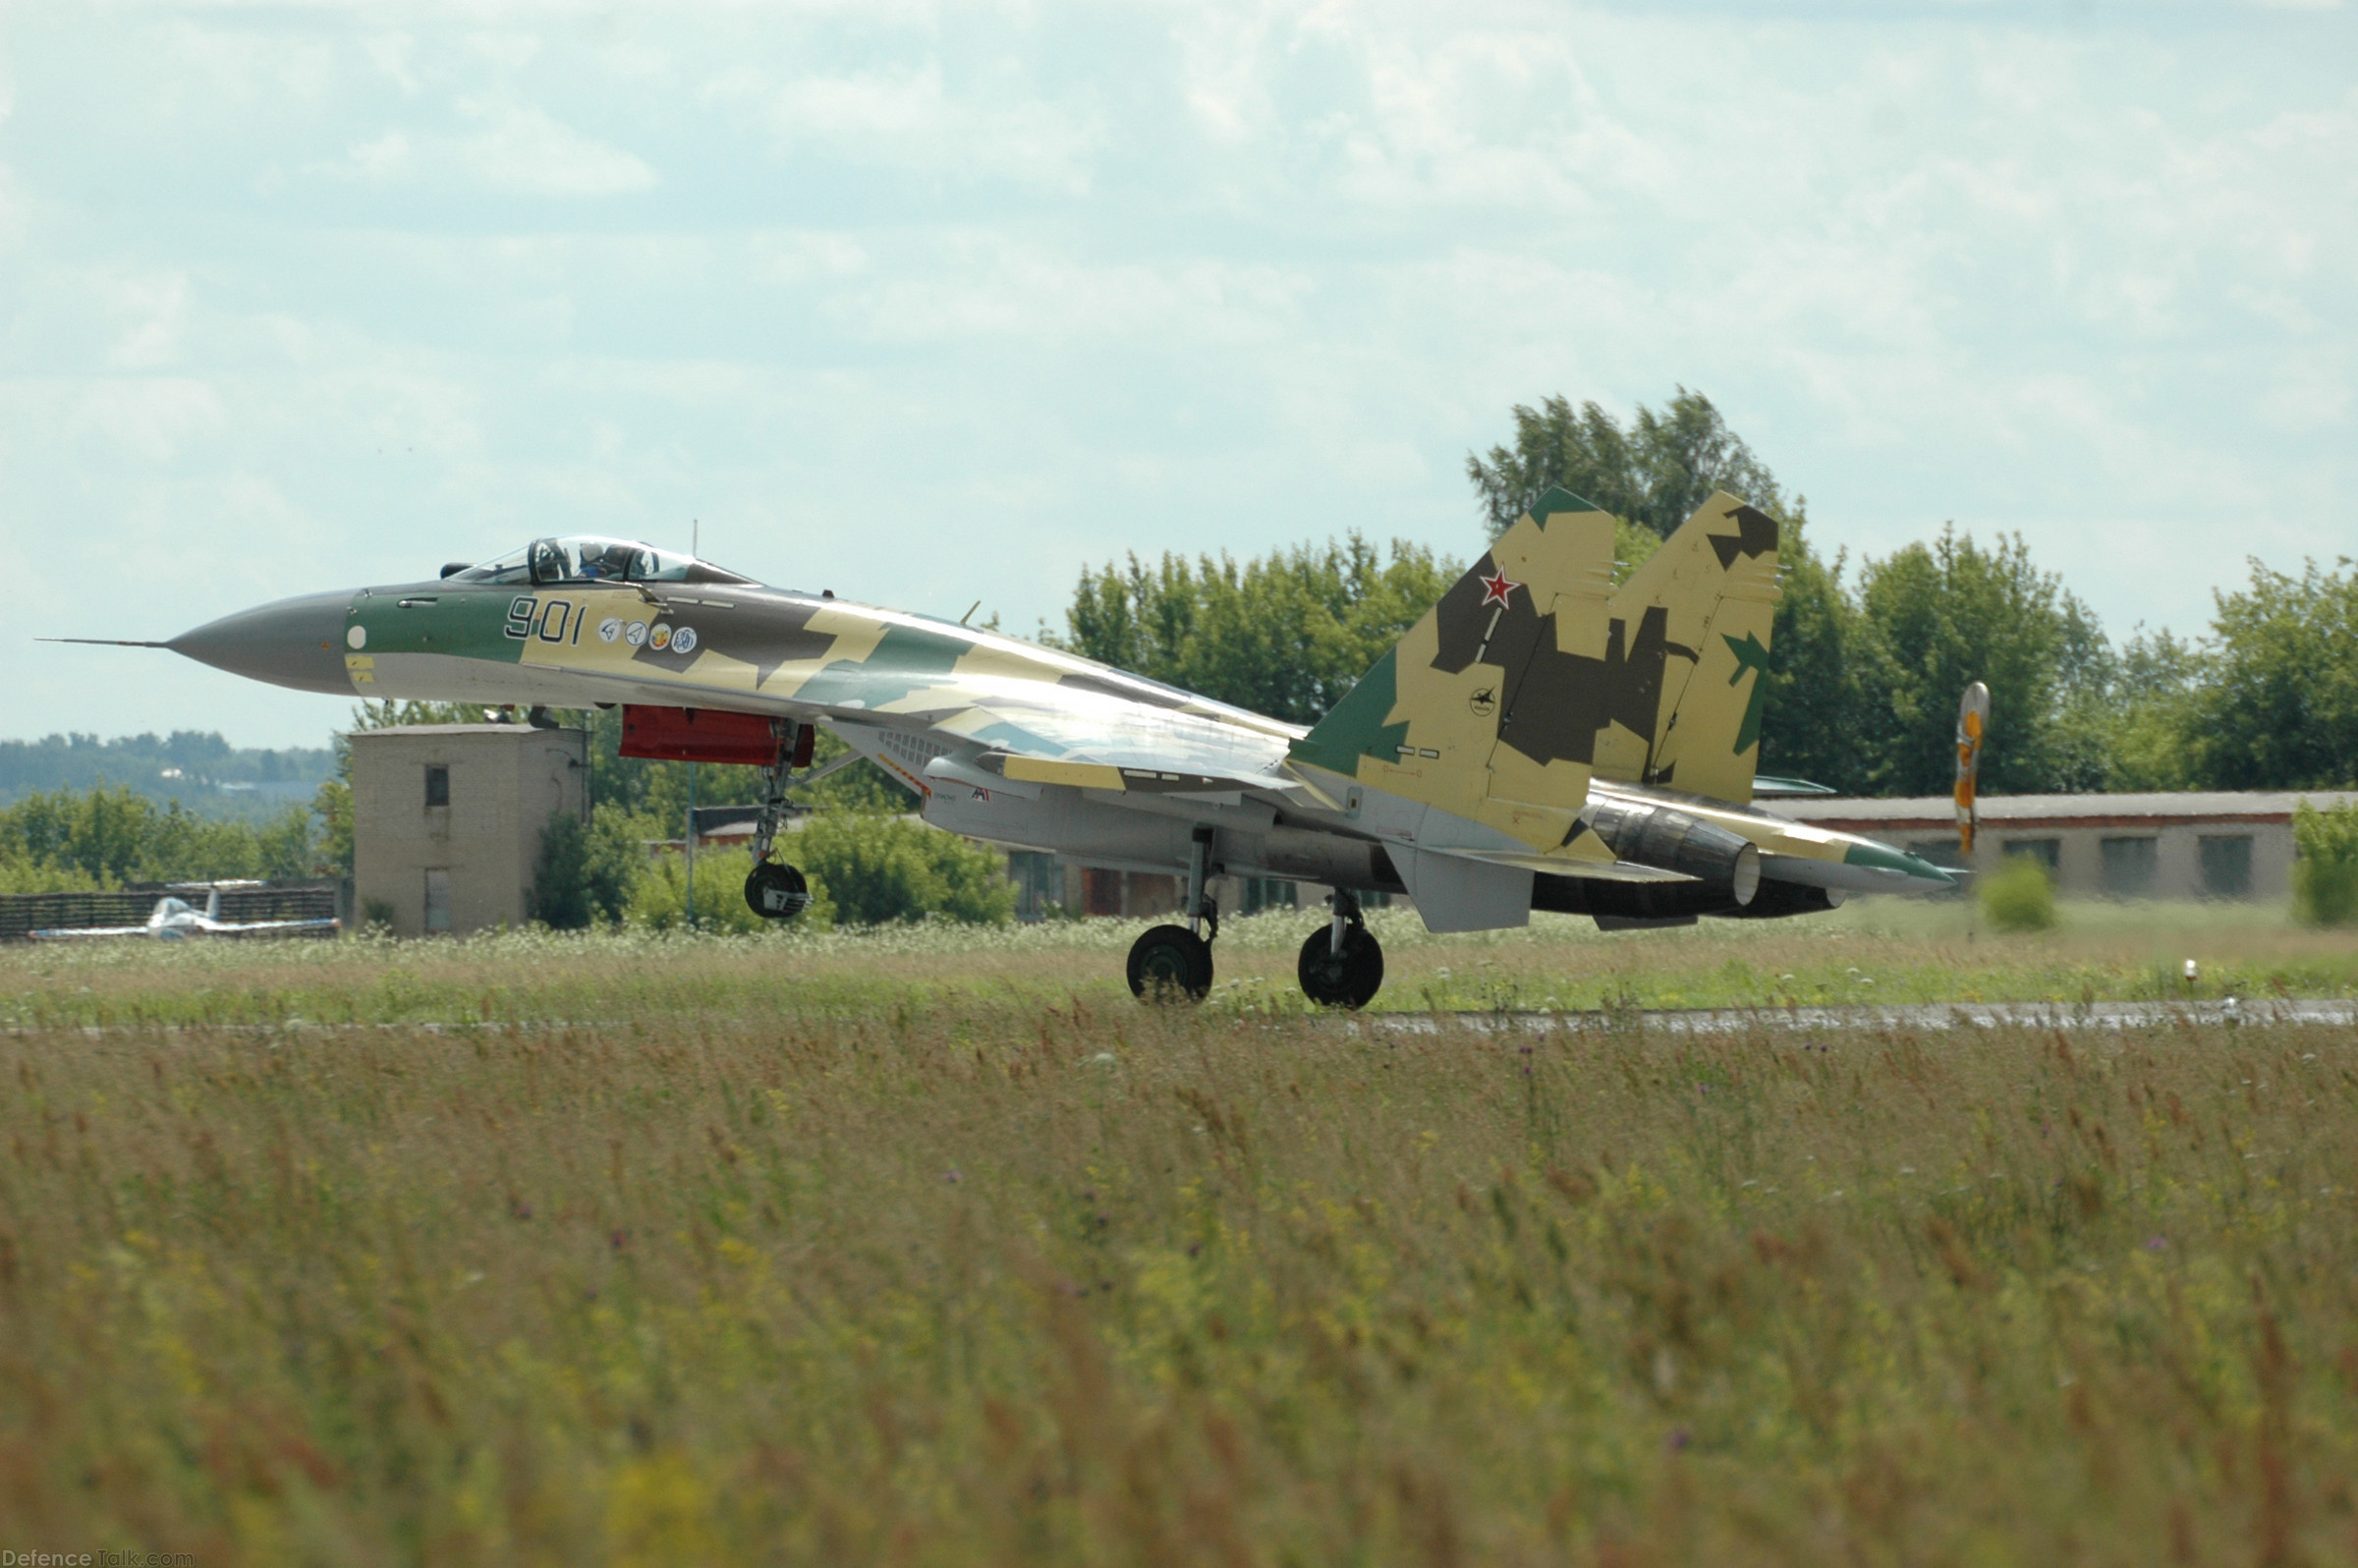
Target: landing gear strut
[1173, 963]
[775, 890]
[1342, 966]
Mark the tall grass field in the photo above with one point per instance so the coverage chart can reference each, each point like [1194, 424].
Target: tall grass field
[935, 1248]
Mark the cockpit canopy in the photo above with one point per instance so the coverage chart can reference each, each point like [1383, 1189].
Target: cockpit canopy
[589, 558]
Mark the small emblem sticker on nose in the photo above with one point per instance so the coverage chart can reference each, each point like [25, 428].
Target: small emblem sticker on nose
[610, 628]
[659, 638]
[683, 640]
[634, 634]
[356, 637]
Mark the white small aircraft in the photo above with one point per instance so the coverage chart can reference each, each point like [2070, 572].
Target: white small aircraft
[175, 919]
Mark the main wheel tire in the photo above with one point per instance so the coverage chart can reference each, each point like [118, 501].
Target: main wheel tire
[776, 891]
[1349, 979]
[1169, 964]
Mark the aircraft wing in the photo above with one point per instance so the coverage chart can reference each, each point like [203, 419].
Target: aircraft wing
[247, 927]
[84, 933]
[1124, 748]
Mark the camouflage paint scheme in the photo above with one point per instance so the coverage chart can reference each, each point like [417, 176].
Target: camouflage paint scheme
[750, 649]
[1695, 619]
[1467, 757]
[1515, 702]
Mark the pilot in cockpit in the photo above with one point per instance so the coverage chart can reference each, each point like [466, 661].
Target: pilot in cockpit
[608, 560]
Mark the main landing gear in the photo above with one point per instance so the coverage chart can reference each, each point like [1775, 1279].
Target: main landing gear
[1342, 966]
[1173, 963]
[775, 890]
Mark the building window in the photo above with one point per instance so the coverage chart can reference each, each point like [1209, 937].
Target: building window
[1039, 883]
[437, 896]
[2047, 852]
[438, 783]
[2227, 866]
[2128, 866]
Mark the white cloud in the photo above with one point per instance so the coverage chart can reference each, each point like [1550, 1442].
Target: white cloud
[1088, 279]
[516, 150]
[799, 258]
[908, 118]
[986, 285]
[154, 312]
[154, 419]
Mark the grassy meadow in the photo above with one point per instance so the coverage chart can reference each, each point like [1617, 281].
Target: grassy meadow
[935, 1248]
[1869, 951]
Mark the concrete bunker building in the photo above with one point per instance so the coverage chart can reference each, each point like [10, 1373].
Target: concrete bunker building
[447, 819]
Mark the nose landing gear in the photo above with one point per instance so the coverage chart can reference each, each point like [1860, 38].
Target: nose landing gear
[1342, 966]
[775, 890]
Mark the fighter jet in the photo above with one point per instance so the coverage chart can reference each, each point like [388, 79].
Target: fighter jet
[1537, 741]
[175, 919]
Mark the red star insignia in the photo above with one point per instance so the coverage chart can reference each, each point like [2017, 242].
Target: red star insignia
[1496, 588]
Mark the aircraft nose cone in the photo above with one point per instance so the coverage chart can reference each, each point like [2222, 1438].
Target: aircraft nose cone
[297, 642]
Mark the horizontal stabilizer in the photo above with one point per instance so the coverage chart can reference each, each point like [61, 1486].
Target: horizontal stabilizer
[1768, 787]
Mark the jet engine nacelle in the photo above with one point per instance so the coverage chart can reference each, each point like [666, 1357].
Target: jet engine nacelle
[1727, 866]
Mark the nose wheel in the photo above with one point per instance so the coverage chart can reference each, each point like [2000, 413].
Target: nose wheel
[1342, 966]
[775, 890]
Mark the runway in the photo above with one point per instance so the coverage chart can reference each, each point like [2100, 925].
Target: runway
[1923, 1016]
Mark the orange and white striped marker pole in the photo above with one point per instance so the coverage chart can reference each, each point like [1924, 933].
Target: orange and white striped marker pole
[1972, 720]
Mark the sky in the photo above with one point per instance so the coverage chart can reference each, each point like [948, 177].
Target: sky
[937, 304]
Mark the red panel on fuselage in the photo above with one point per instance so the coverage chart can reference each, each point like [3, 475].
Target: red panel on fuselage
[698, 735]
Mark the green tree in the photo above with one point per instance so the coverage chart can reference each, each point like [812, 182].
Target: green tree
[1810, 726]
[2279, 706]
[658, 896]
[561, 880]
[2143, 719]
[883, 870]
[1655, 472]
[1933, 619]
[2325, 876]
[108, 836]
[1285, 634]
[332, 807]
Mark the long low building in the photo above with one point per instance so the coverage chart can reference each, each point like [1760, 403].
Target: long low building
[2229, 846]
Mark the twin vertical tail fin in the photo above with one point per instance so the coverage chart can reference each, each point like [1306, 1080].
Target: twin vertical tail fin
[1489, 708]
[1531, 675]
[1689, 637]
